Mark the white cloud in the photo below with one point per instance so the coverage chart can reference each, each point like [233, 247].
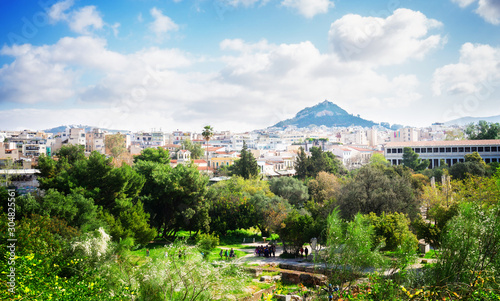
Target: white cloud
[463, 3]
[377, 41]
[489, 10]
[85, 18]
[477, 72]
[82, 21]
[162, 24]
[57, 11]
[309, 8]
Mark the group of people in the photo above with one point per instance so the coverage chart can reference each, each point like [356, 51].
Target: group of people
[227, 254]
[266, 251]
[302, 251]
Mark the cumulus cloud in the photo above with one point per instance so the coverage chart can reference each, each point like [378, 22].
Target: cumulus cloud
[477, 71]
[158, 86]
[83, 20]
[378, 41]
[162, 24]
[489, 10]
[309, 8]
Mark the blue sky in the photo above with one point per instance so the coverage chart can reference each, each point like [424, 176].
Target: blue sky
[245, 64]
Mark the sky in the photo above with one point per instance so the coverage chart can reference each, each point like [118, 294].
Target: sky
[241, 65]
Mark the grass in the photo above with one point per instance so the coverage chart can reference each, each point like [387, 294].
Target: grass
[431, 254]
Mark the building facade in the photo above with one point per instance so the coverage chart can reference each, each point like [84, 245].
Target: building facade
[450, 151]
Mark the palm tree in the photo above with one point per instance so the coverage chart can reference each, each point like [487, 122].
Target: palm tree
[207, 133]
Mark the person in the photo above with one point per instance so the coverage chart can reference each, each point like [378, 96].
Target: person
[301, 251]
[274, 250]
[231, 254]
[225, 254]
[221, 253]
[306, 250]
[147, 252]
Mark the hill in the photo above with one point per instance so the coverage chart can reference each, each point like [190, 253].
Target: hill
[87, 128]
[325, 113]
[469, 119]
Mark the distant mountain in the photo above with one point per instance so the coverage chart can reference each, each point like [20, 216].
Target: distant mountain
[87, 128]
[468, 119]
[325, 113]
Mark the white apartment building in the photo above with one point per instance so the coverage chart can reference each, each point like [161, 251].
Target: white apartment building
[405, 134]
[94, 141]
[450, 151]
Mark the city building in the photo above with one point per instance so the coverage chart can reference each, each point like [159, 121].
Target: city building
[449, 151]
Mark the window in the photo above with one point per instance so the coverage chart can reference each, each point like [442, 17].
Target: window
[389, 150]
[461, 149]
[435, 150]
[417, 150]
[423, 150]
[429, 149]
[487, 149]
[480, 149]
[400, 150]
[474, 149]
[448, 149]
[454, 149]
[467, 149]
[493, 148]
[441, 149]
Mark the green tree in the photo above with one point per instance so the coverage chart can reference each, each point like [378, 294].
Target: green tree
[412, 160]
[175, 197]
[295, 231]
[158, 155]
[393, 230]
[483, 130]
[301, 164]
[378, 189]
[246, 166]
[294, 190]
[350, 248]
[194, 148]
[378, 159]
[469, 247]
[207, 134]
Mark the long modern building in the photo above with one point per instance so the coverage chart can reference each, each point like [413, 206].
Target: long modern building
[450, 151]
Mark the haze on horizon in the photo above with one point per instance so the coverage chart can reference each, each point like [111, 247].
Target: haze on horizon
[245, 64]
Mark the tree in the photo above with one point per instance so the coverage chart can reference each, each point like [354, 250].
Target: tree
[294, 190]
[295, 231]
[115, 144]
[350, 251]
[483, 130]
[174, 197]
[207, 134]
[474, 157]
[411, 160]
[194, 148]
[158, 155]
[324, 187]
[246, 166]
[378, 159]
[301, 164]
[378, 189]
[392, 229]
[317, 162]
